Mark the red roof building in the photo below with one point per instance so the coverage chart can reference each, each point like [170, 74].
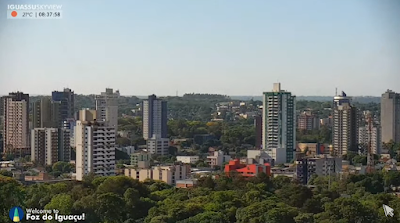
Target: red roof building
[250, 170]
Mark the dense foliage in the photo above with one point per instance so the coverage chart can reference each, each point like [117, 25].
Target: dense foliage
[322, 135]
[121, 199]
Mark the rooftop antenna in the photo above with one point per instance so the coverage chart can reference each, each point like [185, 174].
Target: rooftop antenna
[335, 91]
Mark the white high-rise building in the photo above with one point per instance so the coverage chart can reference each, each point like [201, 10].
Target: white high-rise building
[95, 146]
[376, 142]
[279, 121]
[107, 107]
[154, 118]
[50, 145]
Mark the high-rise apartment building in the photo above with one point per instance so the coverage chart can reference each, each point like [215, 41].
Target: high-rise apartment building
[158, 146]
[46, 113]
[67, 103]
[364, 135]
[279, 121]
[107, 107]
[95, 146]
[154, 118]
[320, 166]
[15, 116]
[390, 116]
[345, 125]
[64, 145]
[70, 125]
[259, 130]
[50, 145]
[307, 121]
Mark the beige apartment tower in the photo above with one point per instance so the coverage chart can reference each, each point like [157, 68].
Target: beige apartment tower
[15, 116]
[390, 116]
[307, 121]
[88, 115]
[46, 113]
[345, 125]
[107, 107]
[50, 145]
[166, 173]
[364, 138]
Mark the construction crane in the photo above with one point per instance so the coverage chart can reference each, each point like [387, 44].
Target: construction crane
[370, 155]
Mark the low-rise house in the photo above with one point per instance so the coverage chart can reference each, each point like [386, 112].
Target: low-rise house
[166, 173]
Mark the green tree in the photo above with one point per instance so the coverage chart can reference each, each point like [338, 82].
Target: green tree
[304, 218]
[62, 167]
[392, 178]
[294, 195]
[109, 208]
[281, 214]
[38, 195]
[11, 195]
[63, 203]
[349, 210]
[89, 206]
[362, 159]
[6, 173]
[254, 213]
[123, 142]
[119, 184]
[207, 217]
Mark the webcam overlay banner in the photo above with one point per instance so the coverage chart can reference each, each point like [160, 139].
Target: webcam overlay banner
[17, 215]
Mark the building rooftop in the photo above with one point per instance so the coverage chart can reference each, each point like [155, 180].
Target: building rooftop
[187, 181]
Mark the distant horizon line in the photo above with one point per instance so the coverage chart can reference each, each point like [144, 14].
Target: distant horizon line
[365, 96]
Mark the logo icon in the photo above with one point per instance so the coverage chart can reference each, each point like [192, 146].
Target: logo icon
[16, 214]
[388, 210]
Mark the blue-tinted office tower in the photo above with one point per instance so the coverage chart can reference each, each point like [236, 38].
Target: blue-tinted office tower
[154, 118]
[67, 100]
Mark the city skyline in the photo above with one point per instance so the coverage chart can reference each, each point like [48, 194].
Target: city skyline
[336, 92]
[215, 47]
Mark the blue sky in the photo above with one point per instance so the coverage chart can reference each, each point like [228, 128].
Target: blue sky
[232, 47]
